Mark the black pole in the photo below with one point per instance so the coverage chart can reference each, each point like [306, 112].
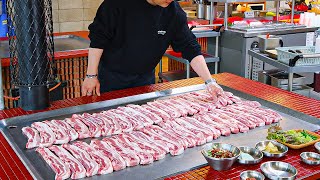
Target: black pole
[31, 44]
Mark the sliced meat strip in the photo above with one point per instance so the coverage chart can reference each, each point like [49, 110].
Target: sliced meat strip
[174, 147]
[172, 112]
[112, 125]
[33, 137]
[241, 115]
[174, 106]
[94, 128]
[143, 137]
[78, 125]
[105, 166]
[224, 130]
[77, 169]
[73, 135]
[145, 157]
[164, 115]
[194, 128]
[84, 158]
[62, 170]
[186, 106]
[47, 137]
[137, 115]
[191, 139]
[61, 136]
[130, 158]
[105, 127]
[227, 119]
[153, 116]
[117, 161]
[156, 152]
[210, 132]
[232, 97]
[136, 123]
[197, 136]
[228, 115]
[207, 105]
[201, 109]
[233, 127]
[125, 125]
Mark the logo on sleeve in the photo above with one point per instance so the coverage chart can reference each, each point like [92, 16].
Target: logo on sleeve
[162, 32]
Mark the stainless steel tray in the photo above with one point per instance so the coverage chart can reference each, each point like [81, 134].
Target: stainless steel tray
[61, 44]
[11, 129]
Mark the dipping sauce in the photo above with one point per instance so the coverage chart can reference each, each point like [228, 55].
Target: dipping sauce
[312, 159]
[220, 153]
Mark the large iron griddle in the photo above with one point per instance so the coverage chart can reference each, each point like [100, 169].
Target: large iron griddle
[191, 158]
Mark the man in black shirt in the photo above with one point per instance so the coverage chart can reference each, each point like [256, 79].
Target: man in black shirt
[129, 37]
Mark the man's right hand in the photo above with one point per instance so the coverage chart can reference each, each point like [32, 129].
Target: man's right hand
[89, 85]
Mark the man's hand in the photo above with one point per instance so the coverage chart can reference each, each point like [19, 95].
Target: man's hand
[89, 85]
[214, 89]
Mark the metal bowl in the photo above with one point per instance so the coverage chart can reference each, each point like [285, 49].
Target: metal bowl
[255, 153]
[251, 174]
[305, 155]
[278, 170]
[282, 148]
[317, 146]
[221, 164]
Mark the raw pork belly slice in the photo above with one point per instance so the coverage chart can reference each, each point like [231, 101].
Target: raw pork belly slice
[243, 127]
[156, 152]
[78, 125]
[47, 136]
[82, 156]
[233, 127]
[112, 125]
[144, 138]
[229, 116]
[60, 134]
[196, 125]
[232, 97]
[117, 161]
[145, 157]
[62, 171]
[137, 115]
[77, 169]
[276, 117]
[174, 106]
[241, 115]
[193, 98]
[198, 137]
[175, 148]
[117, 125]
[184, 105]
[189, 139]
[94, 128]
[33, 137]
[172, 112]
[105, 166]
[105, 126]
[164, 115]
[153, 116]
[131, 158]
[254, 104]
[73, 135]
[136, 124]
[196, 106]
[125, 125]
[224, 130]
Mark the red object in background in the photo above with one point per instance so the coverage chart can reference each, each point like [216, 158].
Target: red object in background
[287, 17]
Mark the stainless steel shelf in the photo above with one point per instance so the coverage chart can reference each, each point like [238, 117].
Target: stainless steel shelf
[208, 34]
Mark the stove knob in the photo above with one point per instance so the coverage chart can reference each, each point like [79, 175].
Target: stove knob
[255, 45]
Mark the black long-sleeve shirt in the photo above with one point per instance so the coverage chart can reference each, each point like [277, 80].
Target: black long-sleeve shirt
[135, 34]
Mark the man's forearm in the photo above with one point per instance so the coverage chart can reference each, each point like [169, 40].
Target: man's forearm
[93, 60]
[199, 65]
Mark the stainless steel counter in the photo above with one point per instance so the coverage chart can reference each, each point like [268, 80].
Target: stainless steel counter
[11, 128]
[61, 44]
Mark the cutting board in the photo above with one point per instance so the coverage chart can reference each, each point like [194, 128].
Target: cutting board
[272, 53]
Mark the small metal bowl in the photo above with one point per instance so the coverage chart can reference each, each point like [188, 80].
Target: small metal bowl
[221, 164]
[278, 170]
[282, 148]
[317, 146]
[305, 155]
[251, 174]
[255, 153]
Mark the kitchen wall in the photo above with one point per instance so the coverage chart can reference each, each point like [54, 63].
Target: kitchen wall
[73, 15]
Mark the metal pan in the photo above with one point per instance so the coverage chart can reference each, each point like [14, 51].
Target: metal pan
[306, 158]
[263, 144]
[278, 170]
[255, 153]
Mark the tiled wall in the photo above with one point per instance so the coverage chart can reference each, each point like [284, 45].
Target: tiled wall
[73, 15]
